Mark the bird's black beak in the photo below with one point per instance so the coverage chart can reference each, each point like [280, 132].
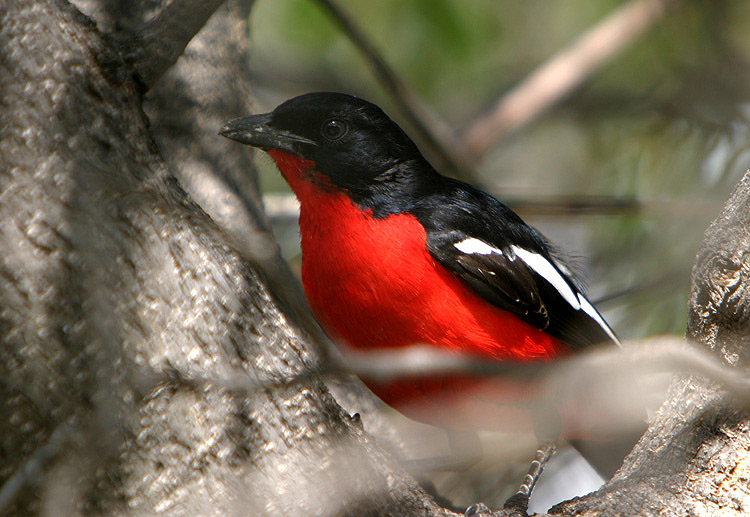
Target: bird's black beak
[256, 130]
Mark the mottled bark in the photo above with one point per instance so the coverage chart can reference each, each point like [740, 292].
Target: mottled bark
[695, 457]
[126, 313]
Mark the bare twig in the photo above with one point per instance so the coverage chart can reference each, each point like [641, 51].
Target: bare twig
[435, 134]
[635, 360]
[574, 205]
[556, 78]
[418, 361]
[285, 207]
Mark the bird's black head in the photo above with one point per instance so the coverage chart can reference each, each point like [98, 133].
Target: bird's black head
[351, 141]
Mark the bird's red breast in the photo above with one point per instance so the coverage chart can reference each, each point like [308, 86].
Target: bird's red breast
[373, 284]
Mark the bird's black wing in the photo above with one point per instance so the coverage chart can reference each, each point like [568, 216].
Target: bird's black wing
[509, 264]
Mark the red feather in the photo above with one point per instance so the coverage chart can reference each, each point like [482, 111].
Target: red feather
[373, 284]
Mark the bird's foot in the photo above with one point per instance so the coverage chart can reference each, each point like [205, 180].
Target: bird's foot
[517, 505]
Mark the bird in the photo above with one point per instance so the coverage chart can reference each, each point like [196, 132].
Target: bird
[396, 254]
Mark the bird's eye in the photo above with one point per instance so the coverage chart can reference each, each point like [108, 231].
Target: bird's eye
[334, 129]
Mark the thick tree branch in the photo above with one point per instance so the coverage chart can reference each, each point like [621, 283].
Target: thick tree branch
[111, 278]
[208, 85]
[720, 296]
[693, 458]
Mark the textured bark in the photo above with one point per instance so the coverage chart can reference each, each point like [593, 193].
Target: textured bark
[695, 457]
[126, 313]
[720, 297]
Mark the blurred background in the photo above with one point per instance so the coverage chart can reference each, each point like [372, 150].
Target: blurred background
[625, 172]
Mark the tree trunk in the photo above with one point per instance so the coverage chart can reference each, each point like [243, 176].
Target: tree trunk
[695, 457]
[145, 364]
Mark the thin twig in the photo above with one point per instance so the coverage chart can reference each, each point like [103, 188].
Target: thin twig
[556, 205]
[635, 360]
[285, 207]
[435, 135]
[561, 74]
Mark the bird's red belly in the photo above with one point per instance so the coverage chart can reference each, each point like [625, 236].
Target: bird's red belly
[373, 284]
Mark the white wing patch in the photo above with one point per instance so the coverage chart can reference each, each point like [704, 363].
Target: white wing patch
[591, 311]
[546, 270]
[472, 246]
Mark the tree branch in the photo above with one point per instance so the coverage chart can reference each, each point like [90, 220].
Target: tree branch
[440, 141]
[720, 295]
[693, 458]
[561, 74]
[111, 277]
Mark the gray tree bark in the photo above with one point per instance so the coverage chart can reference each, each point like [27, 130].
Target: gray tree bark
[694, 458]
[156, 359]
[145, 364]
